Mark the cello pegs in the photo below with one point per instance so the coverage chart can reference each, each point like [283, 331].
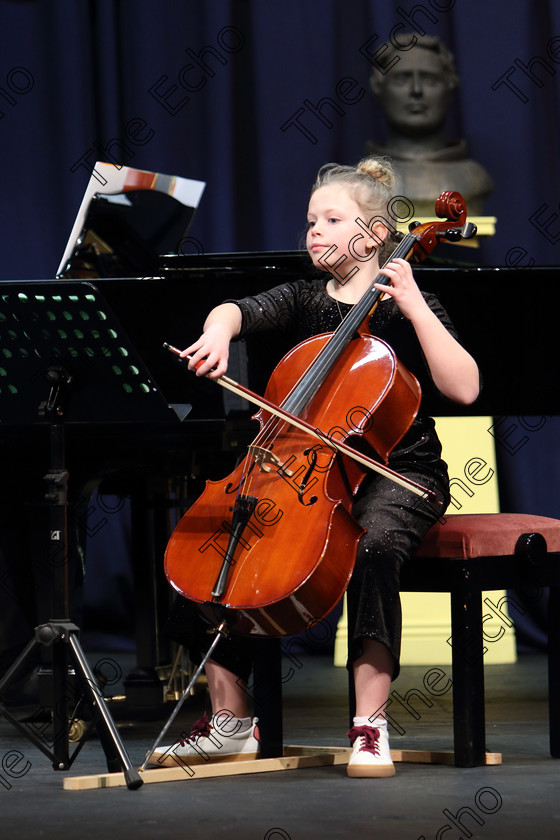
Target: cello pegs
[468, 230]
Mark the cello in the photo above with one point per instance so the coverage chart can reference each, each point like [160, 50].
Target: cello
[271, 548]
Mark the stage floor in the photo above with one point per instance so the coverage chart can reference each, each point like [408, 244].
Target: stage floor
[518, 799]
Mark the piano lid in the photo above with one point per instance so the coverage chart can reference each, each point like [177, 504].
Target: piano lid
[503, 315]
[127, 218]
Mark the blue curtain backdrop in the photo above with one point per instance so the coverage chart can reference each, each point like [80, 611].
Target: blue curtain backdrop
[78, 77]
[229, 92]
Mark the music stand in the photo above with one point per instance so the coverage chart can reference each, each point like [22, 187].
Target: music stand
[64, 358]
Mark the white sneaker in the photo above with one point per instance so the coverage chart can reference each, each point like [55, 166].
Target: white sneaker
[371, 756]
[207, 742]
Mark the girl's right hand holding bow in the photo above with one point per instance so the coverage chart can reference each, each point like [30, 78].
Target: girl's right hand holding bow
[209, 355]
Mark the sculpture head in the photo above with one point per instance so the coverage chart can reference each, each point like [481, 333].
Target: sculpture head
[415, 93]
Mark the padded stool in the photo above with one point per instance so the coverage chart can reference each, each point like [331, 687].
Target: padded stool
[464, 555]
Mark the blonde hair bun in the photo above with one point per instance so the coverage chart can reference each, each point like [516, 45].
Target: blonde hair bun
[376, 174]
[381, 169]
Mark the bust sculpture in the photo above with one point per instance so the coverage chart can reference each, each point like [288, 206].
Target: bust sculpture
[414, 95]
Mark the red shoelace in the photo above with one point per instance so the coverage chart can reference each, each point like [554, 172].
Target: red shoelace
[370, 735]
[200, 728]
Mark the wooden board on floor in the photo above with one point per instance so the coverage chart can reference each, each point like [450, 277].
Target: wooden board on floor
[433, 757]
[294, 758]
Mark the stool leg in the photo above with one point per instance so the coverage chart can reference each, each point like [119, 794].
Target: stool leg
[267, 697]
[351, 699]
[554, 671]
[468, 673]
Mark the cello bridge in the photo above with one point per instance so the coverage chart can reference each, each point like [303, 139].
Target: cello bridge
[266, 459]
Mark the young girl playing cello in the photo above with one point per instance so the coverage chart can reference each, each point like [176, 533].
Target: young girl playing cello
[422, 337]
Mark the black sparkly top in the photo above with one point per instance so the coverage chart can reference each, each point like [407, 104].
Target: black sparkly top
[304, 308]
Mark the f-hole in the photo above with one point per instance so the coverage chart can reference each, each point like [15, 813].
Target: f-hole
[302, 487]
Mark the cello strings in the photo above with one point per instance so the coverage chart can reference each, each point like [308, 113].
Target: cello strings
[305, 388]
[320, 367]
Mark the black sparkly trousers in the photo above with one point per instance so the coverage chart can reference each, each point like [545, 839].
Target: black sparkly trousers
[395, 520]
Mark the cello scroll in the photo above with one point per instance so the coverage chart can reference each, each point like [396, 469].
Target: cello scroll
[449, 206]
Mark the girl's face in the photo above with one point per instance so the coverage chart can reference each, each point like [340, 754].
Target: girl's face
[333, 232]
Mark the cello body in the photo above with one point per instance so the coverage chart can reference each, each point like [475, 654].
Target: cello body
[271, 548]
[296, 551]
